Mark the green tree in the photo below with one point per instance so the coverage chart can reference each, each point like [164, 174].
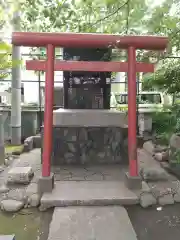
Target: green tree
[86, 16]
[6, 63]
[164, 20]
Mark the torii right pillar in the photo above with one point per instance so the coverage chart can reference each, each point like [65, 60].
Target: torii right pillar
[132, 177]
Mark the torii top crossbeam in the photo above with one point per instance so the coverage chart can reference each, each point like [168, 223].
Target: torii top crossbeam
[34, 39]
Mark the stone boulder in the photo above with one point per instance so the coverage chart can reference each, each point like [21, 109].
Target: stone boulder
[162, 156]
[149, 147]
[4, 189]
[146, 198]
[21, 175]
[153, 174]
[37, 141]
[159, 148]
[1, 169]
[11, 205]
[28, 144]
[18, 195]
[174, 152]
[34, 200]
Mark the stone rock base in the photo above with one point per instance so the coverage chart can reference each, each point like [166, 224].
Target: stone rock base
[84, 145]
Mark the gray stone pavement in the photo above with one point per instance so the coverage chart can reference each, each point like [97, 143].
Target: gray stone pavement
[91, 223]
[112, 172]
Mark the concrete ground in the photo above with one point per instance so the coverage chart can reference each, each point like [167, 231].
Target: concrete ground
[151, 224]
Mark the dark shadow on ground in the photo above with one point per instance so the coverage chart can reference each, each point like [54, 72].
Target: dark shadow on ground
[151, 224]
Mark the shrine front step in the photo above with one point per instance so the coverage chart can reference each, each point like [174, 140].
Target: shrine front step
[89, 193]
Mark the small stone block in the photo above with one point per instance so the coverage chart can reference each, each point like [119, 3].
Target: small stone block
[133, 183]
[166, 200]
[46, 184]
[21, 175]
[7, 237]
[177, 197]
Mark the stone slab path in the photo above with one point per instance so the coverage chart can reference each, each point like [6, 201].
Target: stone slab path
[85, 193]
[91, 223]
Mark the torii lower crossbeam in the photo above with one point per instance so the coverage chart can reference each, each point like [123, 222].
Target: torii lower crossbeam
[89, 66]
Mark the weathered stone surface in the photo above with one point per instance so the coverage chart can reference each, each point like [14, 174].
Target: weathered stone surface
[1, 169]
[31, 189]
[177, 197]
[153, 174]
[28, 144]
[147, 200]
[37, 141]
[174, 153]
[146, 197]
[162, 156]
[174, 141]
[158, 156]
[159, 148]
[84, 223]
[11, 205]
[18, 195]
[88, 193]
[4, 189]
[34, 200]
[166, 199]
[7, 237]
[176, 190]
[8, 160]
[3, 196]
[20, 175]
[149, 147]
[175, 187]
[81, 145]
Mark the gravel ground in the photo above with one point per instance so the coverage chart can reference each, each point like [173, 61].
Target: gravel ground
[151, 224]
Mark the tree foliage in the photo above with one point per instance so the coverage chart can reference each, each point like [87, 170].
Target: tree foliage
[6, 63]
[86, 16]
[166, 77]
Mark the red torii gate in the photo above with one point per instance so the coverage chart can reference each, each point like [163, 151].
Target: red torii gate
[80, 40]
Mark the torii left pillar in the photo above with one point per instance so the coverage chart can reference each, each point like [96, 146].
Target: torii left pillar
[46, 182]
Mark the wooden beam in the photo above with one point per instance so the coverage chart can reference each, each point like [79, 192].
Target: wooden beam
[89, 66]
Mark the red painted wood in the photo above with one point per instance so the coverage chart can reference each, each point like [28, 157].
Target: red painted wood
[132, 145]
[89, 66]
[48, 113]
[93, 40]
